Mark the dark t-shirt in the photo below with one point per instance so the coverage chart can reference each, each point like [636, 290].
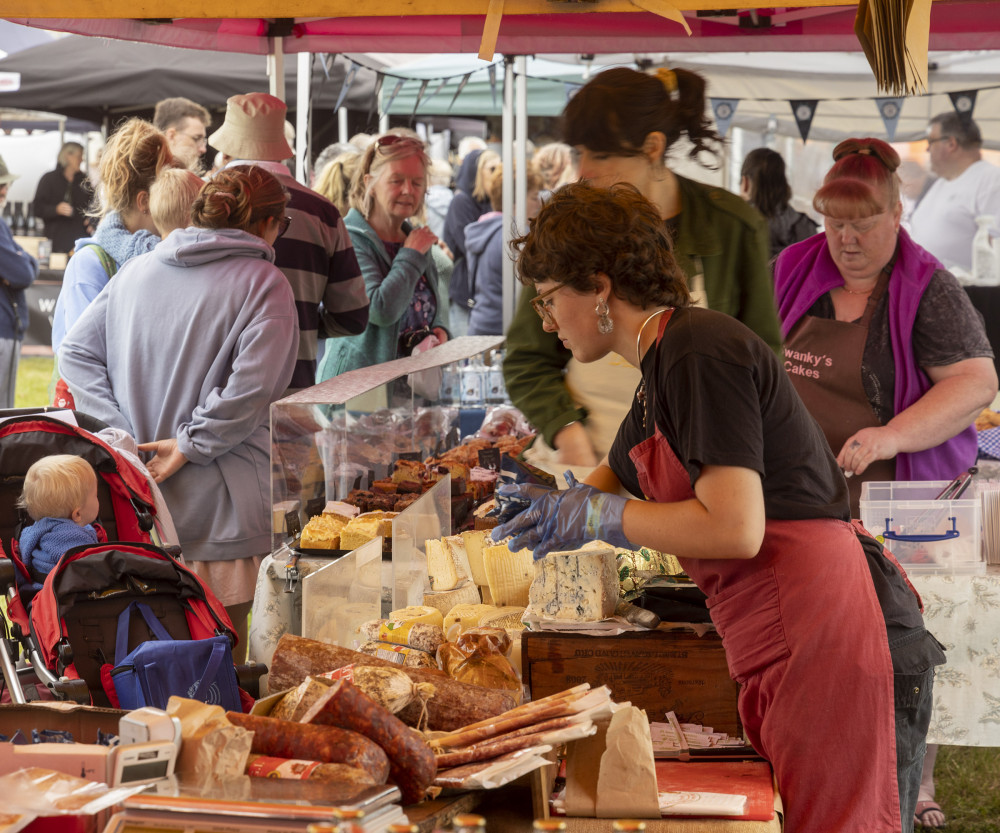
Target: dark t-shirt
[948, 329]
[720, 396]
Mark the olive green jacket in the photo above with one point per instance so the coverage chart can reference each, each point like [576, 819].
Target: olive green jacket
[720, 236]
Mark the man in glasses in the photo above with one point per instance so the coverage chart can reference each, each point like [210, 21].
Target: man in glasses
[185, 124]
[967, 187]
[315, 251]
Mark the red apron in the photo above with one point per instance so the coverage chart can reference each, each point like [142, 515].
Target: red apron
[805, 638]
[823, 359]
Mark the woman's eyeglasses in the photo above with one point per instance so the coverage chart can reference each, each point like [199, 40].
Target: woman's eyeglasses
[540, 303]
[283, 224]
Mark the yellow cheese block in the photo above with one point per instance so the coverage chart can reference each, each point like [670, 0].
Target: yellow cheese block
[508, 574]
[441, 566]
[466, 593]
[418, 613]
[465, 616]
[475, 540]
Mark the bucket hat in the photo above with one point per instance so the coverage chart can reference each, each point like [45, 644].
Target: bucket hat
[6, 177]
[254, 128]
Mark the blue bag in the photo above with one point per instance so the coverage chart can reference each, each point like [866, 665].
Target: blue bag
[199, 669]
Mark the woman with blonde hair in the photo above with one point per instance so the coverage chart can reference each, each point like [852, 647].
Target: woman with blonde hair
[132, 159]
[186, 352]
[556, 165]
[334, 181]
[395, 258]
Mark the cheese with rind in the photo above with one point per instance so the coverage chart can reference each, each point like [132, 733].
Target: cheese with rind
[464, 594]
[509, 574]
[465, 616]
[579, 585]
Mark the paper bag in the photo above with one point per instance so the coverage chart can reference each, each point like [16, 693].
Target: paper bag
[583, 766]
[212, 748]
[626, 784]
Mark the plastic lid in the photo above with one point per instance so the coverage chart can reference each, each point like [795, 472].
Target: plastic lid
[549, 825]
[468, 820]
[629, 825]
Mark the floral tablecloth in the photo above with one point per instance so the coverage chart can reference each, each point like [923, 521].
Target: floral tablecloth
[963, 612]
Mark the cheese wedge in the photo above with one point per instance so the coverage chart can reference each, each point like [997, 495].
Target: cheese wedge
[578, 585]
[466, 593]
[509, 574]
[441, 566]
[418, 613]
[475, 540]
[465, 616]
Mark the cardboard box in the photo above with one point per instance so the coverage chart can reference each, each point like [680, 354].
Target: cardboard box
[81, 721]
[658, 671]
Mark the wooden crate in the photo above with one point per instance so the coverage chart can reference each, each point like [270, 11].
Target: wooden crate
[658, 671]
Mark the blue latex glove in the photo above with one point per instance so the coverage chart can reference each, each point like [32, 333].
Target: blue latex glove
[565, 520]
[514, 498]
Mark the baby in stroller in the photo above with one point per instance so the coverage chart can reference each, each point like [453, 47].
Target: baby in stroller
[60, 495]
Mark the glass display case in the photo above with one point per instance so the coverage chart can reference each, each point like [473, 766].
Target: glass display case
[348, 432]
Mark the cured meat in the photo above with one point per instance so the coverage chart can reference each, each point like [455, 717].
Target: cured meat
[327, 744]
[411, 762]
[490, 749]
[264, 766]
[453, 705]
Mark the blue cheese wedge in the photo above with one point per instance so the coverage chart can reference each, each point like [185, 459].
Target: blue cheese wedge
[579, 585]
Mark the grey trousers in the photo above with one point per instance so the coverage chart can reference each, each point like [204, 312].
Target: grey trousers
[10, 354]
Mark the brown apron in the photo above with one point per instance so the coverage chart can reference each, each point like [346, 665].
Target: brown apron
[823, 358]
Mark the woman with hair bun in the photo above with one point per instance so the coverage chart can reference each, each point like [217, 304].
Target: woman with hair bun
[186, 351]
[622, 124]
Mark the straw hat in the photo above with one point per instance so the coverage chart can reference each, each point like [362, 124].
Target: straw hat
[6, 177]
[254, 129]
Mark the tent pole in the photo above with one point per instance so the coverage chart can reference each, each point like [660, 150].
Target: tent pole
[520, 148]
[507, 160]
[303, 97]
[276, 69]
[342, 125]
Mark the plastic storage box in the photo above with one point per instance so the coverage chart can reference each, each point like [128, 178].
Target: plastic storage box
[925, 535]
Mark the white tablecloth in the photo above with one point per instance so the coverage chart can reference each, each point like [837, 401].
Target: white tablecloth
[963, 612]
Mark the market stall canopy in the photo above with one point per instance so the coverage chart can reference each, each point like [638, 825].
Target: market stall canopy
[96, 79]
[524, 27]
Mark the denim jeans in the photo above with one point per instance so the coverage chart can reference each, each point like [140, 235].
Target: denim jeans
[914, 699]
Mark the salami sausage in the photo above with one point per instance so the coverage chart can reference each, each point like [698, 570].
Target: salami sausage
[411, 762]
[488, 750]
[453, 705]
[262, 766]
[327, 744]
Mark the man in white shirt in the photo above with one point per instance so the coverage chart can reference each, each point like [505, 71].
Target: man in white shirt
[967, 187]
[185, 124]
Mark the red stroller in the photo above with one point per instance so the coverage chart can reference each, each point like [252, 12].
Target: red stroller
[67, 629]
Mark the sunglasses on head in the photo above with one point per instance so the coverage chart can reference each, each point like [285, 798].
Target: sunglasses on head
[390, 139]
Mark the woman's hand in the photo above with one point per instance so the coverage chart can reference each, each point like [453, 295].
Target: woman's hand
[441, 333]
[574, 446]
[421, 239]
[865, 447]
[167, 459]
[64, 209]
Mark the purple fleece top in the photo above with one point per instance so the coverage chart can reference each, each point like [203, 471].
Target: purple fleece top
[805, 271]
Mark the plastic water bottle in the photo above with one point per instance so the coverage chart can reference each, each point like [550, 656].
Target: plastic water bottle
[985, 258]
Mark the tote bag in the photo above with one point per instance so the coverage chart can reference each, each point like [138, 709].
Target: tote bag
[199, 669]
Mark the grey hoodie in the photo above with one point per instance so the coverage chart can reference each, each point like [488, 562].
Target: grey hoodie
[194, 340]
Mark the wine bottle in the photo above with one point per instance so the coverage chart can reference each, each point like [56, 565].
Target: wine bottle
[18, 227]
[30, 229]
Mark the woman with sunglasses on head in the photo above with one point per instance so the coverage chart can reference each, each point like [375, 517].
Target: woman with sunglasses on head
[622, 124]
[395, 258]
[186, 350]
[883, 345]
[737, 481]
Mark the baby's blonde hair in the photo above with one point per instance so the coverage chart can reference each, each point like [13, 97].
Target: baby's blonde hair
[171, 197]
[56, 485]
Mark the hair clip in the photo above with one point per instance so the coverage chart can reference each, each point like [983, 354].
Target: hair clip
[668, 78]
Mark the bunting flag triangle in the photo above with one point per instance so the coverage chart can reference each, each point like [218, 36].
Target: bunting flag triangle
[461, 86]
[393, 94]
[890, 110]
[438, 88]
[379, 78]
[348, 80]
[964, 103]
[724, 110]
[420, 95]
[804, 112]
[327, 61]
[492, 69]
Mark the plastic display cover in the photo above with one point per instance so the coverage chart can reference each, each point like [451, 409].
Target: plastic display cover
[339, 597]
[428, 517]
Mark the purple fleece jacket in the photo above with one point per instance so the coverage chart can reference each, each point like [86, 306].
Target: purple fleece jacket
[805, 271]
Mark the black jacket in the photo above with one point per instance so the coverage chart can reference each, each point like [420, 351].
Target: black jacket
[54, 189]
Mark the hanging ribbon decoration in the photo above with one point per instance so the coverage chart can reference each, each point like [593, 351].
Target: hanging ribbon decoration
[461, 86]
[804, 112]
[348, 80]
[964, 103]
[890, 110]
[379, 78]
[420, 95]
[724, 110]
[395, 92]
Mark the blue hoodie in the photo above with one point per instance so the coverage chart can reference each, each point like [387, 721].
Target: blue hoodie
[484, 256]
[195, 340]
[464, 209]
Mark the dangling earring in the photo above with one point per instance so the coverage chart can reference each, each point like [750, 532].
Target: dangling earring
[605, 324]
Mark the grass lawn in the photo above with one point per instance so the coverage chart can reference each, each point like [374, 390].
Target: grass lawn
[33, 376]
[968, 778]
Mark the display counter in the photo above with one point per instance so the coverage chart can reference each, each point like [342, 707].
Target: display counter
[963, 612]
